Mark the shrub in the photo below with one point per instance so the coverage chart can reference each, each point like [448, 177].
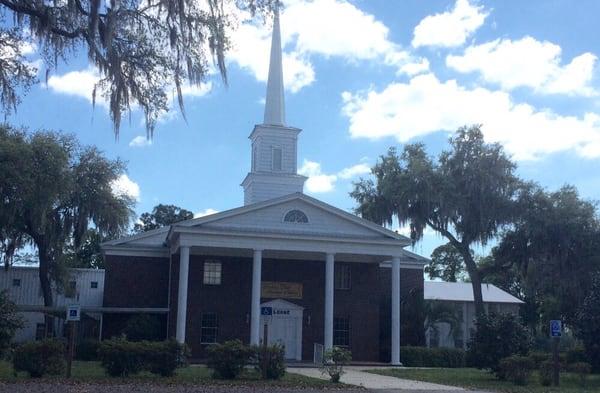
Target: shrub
[538, 358]
[164, 357]
[516, 369]
[10, 322]
[546, 372]
[334, 361]
[87, 350]
[119, 357]
[270, 361]
[575, 355]
[228, 360]
[39, 358]
[582, 370]
[432, 357]
[497, 336]
[143, 327]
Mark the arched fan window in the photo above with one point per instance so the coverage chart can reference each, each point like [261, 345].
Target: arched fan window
[295, 216]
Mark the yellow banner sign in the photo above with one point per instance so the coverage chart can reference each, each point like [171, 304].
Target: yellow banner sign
[284, 290]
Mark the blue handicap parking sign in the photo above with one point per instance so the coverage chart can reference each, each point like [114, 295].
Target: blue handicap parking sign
[555, 328]
[266, 311]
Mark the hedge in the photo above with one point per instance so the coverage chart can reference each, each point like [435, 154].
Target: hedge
[432, 357]
[121, 358]
[39, 358]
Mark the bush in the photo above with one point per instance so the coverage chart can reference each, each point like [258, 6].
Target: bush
[87, 350]
[39, 358]
[121, 358]
[575, 355]
[537, 358]
[497, 336]
[10, 322]
[546, 372]
[270, 361]
[334, 361]
[432, 357]
[516, 369]
[582, 370]
[143, 327]
[228, 360]
[164, 357]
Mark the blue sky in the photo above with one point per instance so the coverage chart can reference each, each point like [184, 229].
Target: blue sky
[362, 76]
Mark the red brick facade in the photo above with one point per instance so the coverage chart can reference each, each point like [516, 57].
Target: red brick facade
[144, 282]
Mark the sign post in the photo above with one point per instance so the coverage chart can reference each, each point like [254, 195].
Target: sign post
[73, 316]
[555, 333]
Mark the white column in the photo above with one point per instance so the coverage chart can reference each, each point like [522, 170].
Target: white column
[396, 311]
[184, 268]
[255, 308]
[329, 302]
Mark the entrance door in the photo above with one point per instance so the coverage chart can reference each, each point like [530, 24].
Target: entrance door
[283, 321]
[282, 331]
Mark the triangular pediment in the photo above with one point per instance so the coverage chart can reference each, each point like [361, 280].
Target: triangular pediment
[269, 217]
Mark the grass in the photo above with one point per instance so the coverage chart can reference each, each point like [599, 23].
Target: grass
[92, 372]
[478, 379]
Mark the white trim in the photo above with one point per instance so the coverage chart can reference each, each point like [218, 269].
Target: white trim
[133, 251]
[209, 238]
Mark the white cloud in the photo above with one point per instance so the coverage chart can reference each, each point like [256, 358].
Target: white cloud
[317, 182]
[205, 212]
[308, 29]
[125, 186]
[355, 170]
[425, 105]
[77, 83]
[140, 141]
[450, 28]
[527, 62]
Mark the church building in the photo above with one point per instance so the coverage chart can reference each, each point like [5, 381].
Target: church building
[285, 267]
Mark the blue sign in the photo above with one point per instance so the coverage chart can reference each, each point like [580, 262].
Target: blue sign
[266, 311]
[555, 328]
[73, 312]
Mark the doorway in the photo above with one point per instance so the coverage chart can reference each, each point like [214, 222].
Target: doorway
[281, 321]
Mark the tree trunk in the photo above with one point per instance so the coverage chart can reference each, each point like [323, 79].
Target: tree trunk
[475, 280]
[44, 274]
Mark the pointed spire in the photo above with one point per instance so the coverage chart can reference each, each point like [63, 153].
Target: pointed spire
[275, 103]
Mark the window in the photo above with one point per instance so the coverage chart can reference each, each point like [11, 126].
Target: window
[94, 285]
[277, 158]
[209, 326]
[295, 216]
[212, 272]
[341, 331]
[71, 289]
[342, 277]
[16, 282]
[254, 159]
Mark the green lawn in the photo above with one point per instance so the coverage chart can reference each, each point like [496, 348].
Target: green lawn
[478, 379]
[91, 372]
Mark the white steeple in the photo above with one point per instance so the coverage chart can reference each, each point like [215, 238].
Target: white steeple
[275, 103]
[274, 145]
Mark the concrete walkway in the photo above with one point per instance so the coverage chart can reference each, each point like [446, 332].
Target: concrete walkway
[357, 376]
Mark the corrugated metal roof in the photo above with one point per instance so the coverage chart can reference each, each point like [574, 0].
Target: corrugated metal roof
[463, 292]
